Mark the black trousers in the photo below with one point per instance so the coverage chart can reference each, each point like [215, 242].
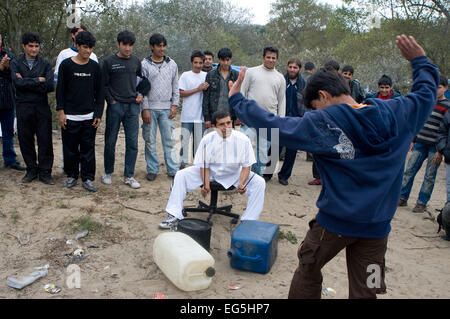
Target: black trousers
[35, 120]
[315, 171]
[79, 148]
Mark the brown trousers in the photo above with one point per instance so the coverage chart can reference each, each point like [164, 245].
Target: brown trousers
[365, 264]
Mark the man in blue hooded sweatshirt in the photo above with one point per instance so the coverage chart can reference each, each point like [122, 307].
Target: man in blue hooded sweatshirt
[360, 152]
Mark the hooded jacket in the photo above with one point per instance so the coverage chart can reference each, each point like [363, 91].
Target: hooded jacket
[163, 78]
[359, 150]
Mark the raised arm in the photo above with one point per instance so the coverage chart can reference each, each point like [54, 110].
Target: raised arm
[415, 108]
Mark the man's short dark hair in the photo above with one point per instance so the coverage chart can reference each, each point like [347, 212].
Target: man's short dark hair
[126, 37]
[197, 54]
[207, 52]
[270, 49]
[219, 114]
[29, 37]
[309, 66]
[385, 80]
[327, 80]
[332, 64]
[75, 29]
[348, 68]
[156, 39]
[443, 80]
[224, 53]
[296, 61]
[85, 38]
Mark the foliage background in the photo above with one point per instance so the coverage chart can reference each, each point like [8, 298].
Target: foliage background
[360, 33]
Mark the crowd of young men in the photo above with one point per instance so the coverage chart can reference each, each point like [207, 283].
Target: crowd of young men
[151, 89]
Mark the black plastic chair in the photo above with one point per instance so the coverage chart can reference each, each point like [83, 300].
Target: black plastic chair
[212, 208]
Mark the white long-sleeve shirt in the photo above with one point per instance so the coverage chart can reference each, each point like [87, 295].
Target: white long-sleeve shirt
[225, 157]
[267, 87]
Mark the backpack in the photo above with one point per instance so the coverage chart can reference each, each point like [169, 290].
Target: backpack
[443, 220]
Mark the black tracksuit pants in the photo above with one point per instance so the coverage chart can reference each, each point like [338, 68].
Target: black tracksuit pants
[35, 120]
[79, 148]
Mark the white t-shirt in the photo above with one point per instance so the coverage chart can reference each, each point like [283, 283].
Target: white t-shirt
[192, 105]
[225, 157]
[80, 118]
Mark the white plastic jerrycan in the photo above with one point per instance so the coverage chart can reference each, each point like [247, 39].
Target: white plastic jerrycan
[184, 261]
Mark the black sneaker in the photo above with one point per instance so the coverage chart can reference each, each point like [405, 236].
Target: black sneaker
[151, 177]
[89, 186]
[283, 182]
[71, 182]
[16, 166]
[46, 179]
[29, 177]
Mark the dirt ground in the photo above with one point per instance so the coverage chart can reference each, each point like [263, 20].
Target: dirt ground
[36, 220]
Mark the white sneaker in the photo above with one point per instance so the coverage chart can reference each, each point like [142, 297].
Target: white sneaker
[169, 222]
[132, 182]
[106, 179]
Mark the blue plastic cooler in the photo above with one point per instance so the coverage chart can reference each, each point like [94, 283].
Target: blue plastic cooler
[254, 246]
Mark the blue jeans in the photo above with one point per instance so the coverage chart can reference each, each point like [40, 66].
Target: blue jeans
[166, 126]
[186, 131]
[7, 124]
[260, 146]
[128, 115]
[420, 152]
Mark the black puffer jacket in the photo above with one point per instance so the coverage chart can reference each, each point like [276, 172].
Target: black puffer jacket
[28, 88]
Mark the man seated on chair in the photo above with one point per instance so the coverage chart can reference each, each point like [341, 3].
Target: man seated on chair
[224, 156]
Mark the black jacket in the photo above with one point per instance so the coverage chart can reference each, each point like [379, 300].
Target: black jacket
[212, 94]
[28, 89]
[6, 89]
[443, 138]
[298, 109]
[357, 91]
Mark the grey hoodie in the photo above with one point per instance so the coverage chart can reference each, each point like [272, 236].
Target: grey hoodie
[164, 84]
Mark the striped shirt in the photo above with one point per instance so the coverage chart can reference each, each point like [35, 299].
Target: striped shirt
[428, 133]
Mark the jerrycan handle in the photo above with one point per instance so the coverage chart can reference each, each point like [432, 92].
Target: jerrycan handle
[236, 252]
